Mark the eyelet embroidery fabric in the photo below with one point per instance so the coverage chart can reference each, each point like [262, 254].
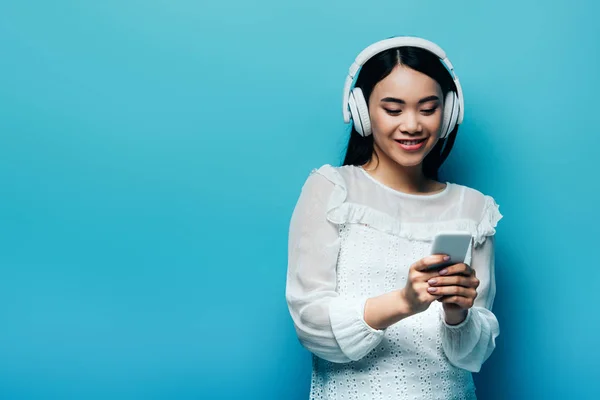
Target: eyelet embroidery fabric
[347, 245]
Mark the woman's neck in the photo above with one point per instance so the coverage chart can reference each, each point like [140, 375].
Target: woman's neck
[405, 179]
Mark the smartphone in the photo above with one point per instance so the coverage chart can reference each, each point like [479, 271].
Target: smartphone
[455, 244]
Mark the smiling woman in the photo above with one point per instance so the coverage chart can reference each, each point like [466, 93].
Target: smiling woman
[378, 322]
[404, 88]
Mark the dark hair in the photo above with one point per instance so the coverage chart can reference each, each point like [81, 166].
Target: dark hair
[360, 149]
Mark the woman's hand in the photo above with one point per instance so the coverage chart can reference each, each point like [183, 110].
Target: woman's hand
[415, 294]
[457, 284]
[389, 308]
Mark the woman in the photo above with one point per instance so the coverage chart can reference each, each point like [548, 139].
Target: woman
[379, 323]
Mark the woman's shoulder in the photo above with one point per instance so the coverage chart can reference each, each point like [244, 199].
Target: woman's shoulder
[472, 197]
[481, 207]
[337, 175]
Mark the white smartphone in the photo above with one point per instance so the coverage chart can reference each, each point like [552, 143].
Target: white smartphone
[454, 244]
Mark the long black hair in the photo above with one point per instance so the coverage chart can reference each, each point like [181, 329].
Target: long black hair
[360, 149]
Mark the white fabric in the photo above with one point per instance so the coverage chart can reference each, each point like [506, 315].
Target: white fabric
[352, 238]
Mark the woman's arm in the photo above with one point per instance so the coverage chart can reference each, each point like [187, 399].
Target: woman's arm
[470, 343]
[329, 325]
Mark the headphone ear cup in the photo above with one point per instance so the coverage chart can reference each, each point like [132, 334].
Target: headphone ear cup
[354, 114]
[362, 110]
[450, 114]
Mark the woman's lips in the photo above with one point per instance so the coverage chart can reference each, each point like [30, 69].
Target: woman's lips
[411, 145]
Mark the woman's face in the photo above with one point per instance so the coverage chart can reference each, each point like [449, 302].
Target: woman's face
[406, 115]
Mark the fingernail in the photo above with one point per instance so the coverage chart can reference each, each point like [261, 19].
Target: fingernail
[443, 272]
[446, 258]
[432, 281]
[432, 289]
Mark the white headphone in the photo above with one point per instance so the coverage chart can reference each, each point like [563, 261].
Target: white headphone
[355, 106]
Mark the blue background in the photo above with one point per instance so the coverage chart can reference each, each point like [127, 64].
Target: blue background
[151, 153]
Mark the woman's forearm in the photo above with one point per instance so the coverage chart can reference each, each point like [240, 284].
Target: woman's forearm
[385, 310]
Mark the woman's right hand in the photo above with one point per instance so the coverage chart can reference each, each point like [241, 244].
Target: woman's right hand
[387, 309]
[415, 292]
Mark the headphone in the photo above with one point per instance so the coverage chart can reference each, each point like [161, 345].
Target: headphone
[355, 106]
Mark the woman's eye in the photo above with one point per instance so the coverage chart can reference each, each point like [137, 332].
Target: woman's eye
[430, 111]
[393, 112]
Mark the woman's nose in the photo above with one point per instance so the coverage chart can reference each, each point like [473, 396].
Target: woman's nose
[410, 123]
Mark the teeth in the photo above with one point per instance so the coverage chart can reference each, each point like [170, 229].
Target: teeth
[411, 142]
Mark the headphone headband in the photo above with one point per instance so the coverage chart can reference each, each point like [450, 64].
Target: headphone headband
[400, 41]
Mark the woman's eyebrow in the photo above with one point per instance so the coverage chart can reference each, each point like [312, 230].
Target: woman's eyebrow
[400, 101]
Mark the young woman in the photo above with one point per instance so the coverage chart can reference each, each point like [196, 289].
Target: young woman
[379, 324]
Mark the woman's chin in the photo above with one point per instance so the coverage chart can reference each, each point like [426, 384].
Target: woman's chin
[408, 159]
[408, 162]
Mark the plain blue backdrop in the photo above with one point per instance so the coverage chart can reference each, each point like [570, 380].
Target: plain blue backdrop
[151, 154]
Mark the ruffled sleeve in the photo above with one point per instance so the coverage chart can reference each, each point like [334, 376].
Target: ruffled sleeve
[488, 222]
[469, 344]
[329, 325]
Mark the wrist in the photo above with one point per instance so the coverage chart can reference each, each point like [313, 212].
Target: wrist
[403, 305]
[455, 316]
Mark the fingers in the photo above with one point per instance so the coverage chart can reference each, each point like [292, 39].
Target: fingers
[429, 261]
[451, 284]
[430, 297]
[462, 302]
[462, 269]
[452, 291]
[454, 280]
[425, 296]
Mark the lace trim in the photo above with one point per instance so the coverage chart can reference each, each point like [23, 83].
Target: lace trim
[340, 211]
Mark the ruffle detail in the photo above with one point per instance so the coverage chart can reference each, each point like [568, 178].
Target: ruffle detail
[489, 221]
[340, 211]
[360, 214]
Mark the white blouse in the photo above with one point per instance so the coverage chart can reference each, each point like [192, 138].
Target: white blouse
[352, 238]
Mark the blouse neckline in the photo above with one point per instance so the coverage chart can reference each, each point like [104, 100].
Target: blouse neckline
[404, 194]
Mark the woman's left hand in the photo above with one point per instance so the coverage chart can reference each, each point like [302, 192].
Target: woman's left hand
[457, 284]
